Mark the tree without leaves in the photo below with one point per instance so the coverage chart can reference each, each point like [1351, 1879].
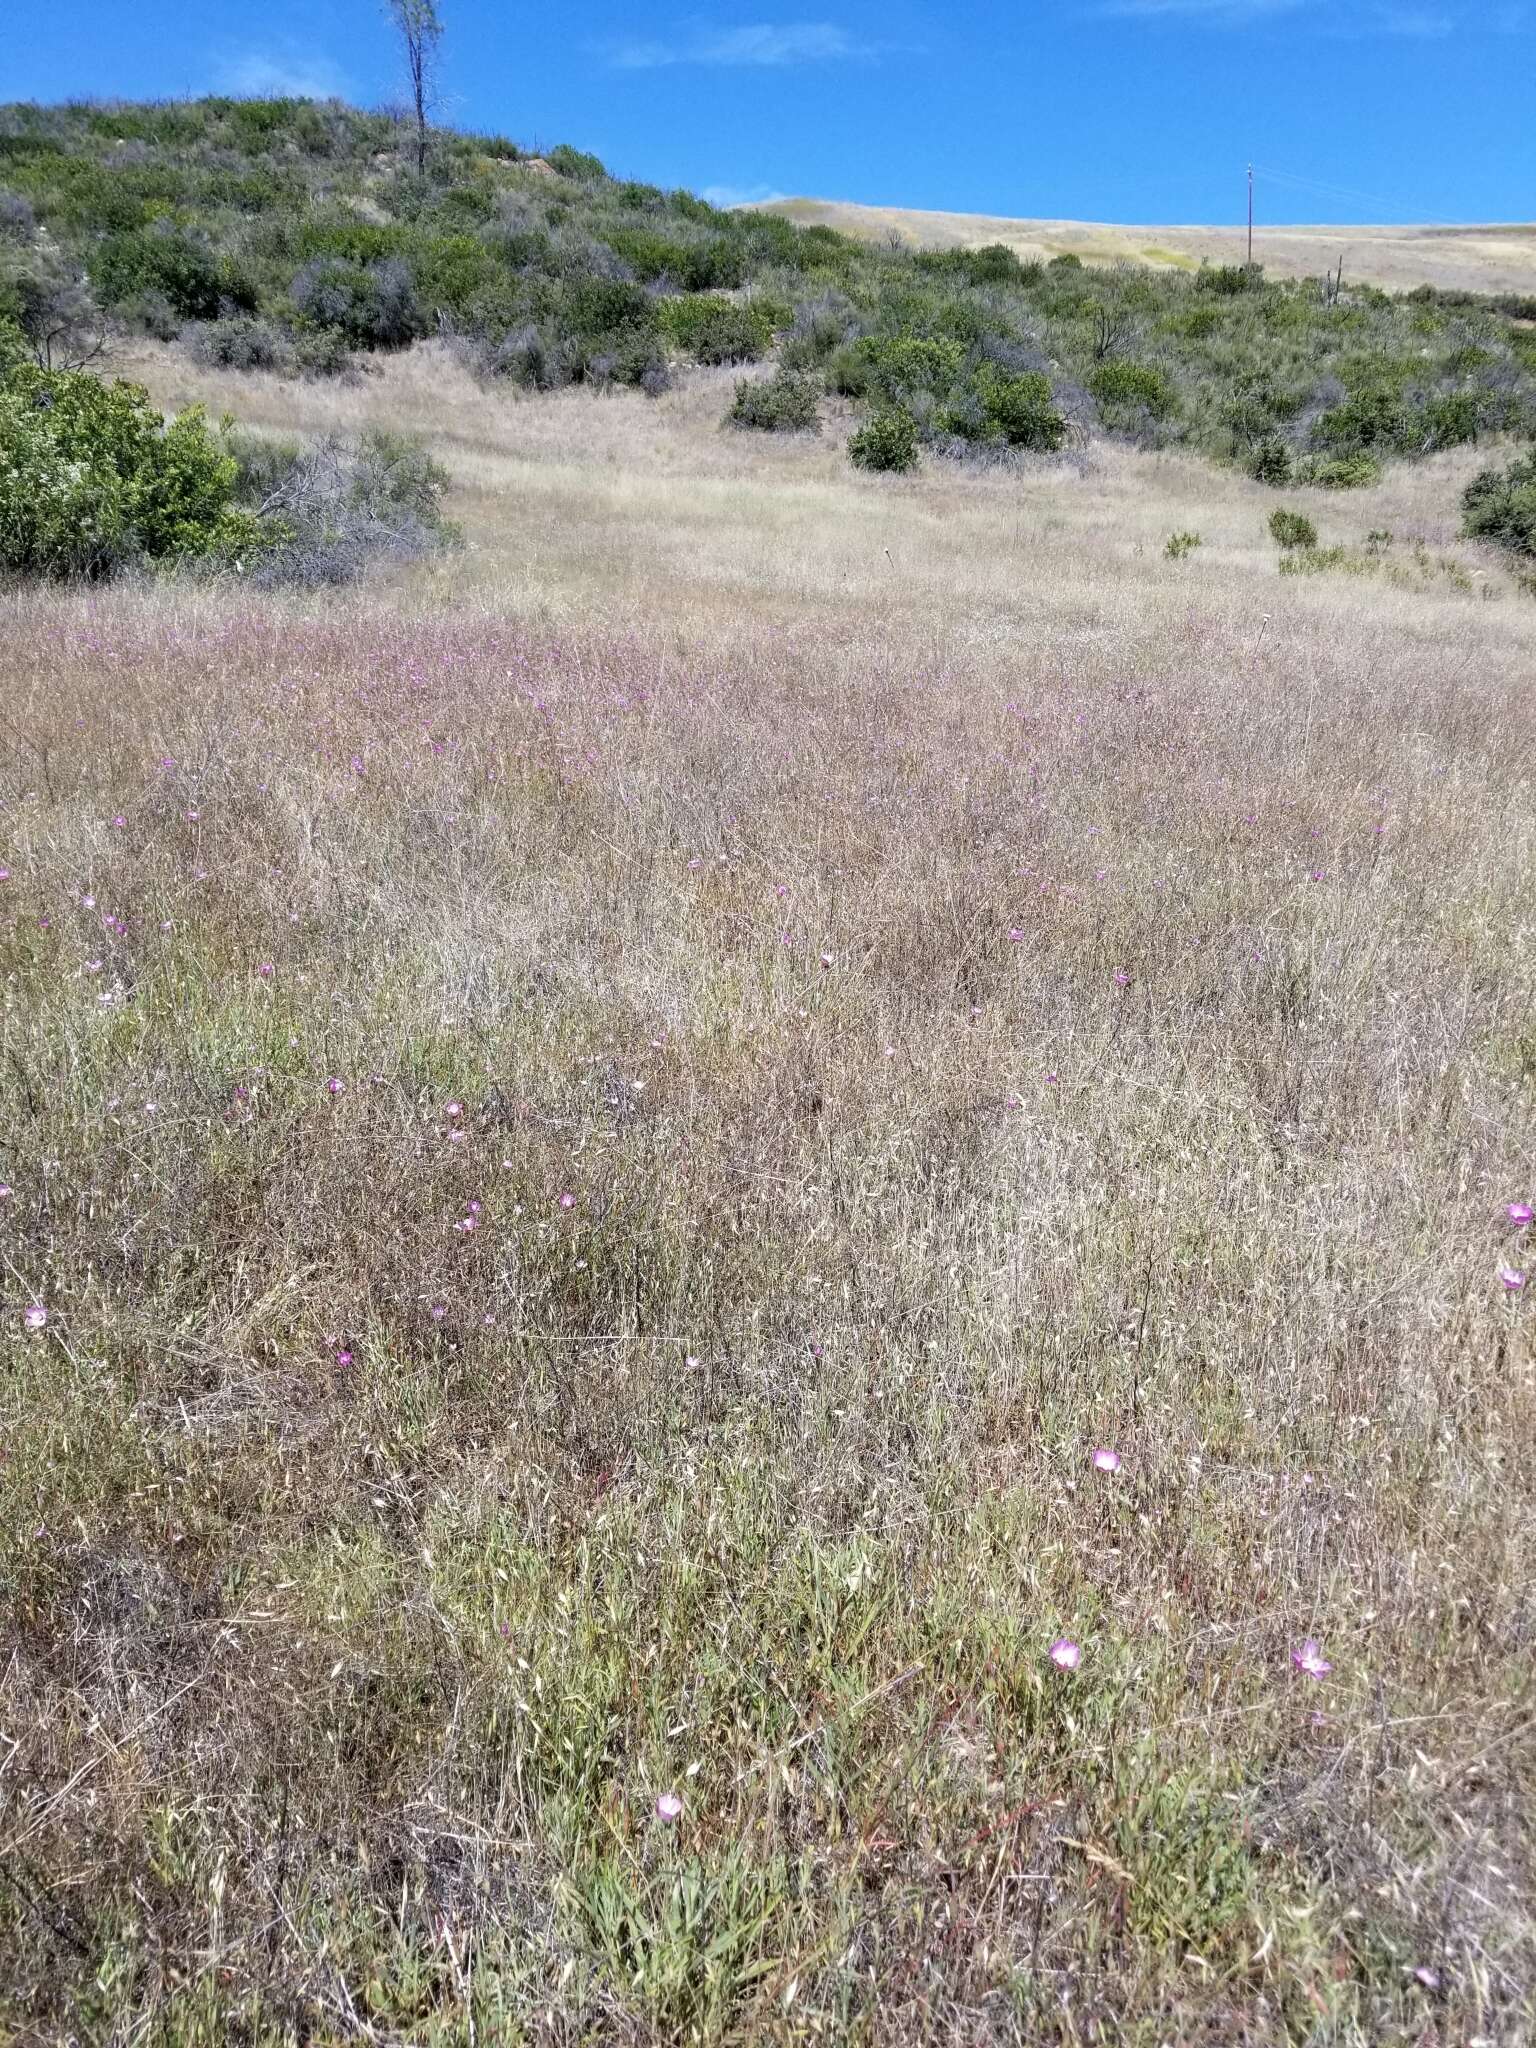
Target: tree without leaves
[420, 33]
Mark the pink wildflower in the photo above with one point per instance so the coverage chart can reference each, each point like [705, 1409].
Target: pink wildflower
[265, 970]
[567, 1201]
[1310, 1660]
[1511, 1280]
[35, 1316]
[1065, 1654]
[335, 1085]
[1105, 1460]
[668, 1806]
[343, 1358]
[1519, 1213]
[453, 1109]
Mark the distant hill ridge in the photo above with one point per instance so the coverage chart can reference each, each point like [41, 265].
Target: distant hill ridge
[1493, 258]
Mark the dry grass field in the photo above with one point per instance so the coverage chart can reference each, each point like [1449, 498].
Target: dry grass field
[1499, 257]
[594, 1132]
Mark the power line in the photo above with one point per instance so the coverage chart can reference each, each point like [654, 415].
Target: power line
[1371, 199]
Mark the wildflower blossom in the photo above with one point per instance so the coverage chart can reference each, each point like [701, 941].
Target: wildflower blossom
[1105, 1460]
[35, 1316]
[335, 1085]
[1065, 1654]
[1310, 1660]
[567, 1201]
[1511, 1280]
[668, 1806]
[1519, 1213]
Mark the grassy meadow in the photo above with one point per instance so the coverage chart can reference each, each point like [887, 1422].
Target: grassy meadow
[595, 1130]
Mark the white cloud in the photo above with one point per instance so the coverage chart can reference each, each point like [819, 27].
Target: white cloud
[287, 74]
[741, 195]
[760, 44]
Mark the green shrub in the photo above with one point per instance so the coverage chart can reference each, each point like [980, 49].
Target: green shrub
[1178, 545]
[1122, 388]
[902, 367]
[195, 282]
[715, 330]
[1269, 461]
[1292, 529]
[239, 344]
[1019, 408]
[886, 441]
[1376, 418]
[1339, 472]
[1500, 505]
[1229, 280]
[91, 477]
[785, 404]
[372, 306]
[1450, 419]
[575, 163]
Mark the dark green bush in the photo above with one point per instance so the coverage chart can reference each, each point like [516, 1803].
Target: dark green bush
[1122, 388]
[1500, 505]
[1019, 408]
[1355, 472]
[888, 440]
[1292, 529]
[1269, 461]
[195, 282]
[371, 306]
[1229, 280]
[715, 330]
[783, 404]
[1375, 418]
[91, 478]
[575, 163]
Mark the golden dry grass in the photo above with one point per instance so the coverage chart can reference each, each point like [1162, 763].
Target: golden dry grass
[905, 984]
[1491, 258]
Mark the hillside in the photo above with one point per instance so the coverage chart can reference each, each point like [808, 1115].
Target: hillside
[1491, 260]
[287, 236]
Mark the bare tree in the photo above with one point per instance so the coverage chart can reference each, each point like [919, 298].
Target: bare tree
[420, 33]
[58, 318]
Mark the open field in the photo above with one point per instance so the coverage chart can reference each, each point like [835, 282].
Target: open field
[595, 1130]
[1493, 258]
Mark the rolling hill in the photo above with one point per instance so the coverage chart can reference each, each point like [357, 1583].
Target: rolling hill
[1499, 257]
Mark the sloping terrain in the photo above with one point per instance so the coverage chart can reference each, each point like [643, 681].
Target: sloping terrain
[1490, 259]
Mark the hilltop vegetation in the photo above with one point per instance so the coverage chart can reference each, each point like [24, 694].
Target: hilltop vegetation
[286, 235]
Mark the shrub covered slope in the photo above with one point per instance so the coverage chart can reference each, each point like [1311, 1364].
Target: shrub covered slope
[289, 235]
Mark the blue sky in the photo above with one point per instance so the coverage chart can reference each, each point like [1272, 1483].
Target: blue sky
[1135, 110]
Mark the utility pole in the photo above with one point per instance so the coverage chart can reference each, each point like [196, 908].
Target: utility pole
[1250, 216]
